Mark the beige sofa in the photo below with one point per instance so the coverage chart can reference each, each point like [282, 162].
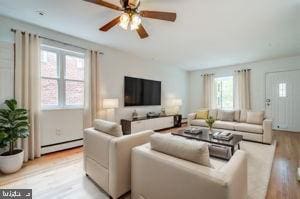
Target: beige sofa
[107, 156]
[240, 124]
[156, 175]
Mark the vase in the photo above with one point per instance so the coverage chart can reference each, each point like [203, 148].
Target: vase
[210, 130]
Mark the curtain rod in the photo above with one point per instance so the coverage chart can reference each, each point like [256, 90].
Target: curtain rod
[207, 74]
[242, 70]
[14, 30]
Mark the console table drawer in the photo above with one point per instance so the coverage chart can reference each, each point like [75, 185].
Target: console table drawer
[129, 126]
[138, 126]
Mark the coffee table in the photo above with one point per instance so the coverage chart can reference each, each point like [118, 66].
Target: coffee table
[205, 136]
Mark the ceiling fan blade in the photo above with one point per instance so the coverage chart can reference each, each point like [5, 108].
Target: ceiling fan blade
[142, 32]
[110, 24]
[105, 4]
[168, 16]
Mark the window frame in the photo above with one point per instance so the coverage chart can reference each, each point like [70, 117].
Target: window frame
[282, 90]
[61, 77]
[216, 88]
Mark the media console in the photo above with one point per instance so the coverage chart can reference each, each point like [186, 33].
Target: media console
[130, 126]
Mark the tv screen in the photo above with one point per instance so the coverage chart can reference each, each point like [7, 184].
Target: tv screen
[142, 92]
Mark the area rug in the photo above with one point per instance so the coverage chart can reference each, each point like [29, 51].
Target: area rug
[260, 158]
[66, 178]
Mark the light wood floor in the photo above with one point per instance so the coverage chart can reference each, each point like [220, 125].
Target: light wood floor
[60, 174]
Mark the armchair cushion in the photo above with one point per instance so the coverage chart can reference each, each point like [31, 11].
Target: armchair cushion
[182, 148]
[107, 127]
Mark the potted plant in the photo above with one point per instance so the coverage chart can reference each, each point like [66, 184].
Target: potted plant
[210, 121]
[13, 125]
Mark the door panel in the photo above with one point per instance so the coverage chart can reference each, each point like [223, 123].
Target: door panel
[283, 99]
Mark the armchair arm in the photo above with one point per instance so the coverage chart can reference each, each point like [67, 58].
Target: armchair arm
[191, 116]
[268, 132]
[120, 161]
[96, 145]
[236, 175]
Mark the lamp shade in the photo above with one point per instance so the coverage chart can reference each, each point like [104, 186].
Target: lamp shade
[177, 102]
[110, 103]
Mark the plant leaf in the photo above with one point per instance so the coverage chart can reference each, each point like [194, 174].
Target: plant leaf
[2, 136]
[12, 104]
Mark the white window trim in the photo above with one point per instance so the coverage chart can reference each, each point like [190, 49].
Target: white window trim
[61, 62]
[216, 91]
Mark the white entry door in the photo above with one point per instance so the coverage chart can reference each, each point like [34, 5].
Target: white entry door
[283, 100]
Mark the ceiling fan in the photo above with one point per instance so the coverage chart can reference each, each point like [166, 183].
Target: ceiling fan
[131, 16]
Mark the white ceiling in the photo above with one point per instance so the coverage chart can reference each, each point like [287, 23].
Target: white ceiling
[207, 33]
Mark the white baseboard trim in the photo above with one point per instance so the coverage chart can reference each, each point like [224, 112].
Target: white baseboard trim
[59, 147]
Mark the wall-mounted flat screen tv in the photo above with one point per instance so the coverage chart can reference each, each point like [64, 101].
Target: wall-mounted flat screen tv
[141, 92]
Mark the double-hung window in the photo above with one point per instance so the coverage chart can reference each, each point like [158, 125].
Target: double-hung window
[224, 92]
[62, 78]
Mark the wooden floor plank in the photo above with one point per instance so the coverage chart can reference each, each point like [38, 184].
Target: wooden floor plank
[282, 184]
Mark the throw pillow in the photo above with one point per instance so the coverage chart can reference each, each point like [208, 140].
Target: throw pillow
[243, 116]
[213, 113]
[107, 127]
[191, 150]
[255, 117]
[228, 116]
[237, 115]
[219, 115]
[202, 114]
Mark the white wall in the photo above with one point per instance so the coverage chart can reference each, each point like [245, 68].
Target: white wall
[115, 65]
[258, 79]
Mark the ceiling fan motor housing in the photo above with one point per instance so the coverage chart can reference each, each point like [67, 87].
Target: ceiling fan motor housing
[130, 3]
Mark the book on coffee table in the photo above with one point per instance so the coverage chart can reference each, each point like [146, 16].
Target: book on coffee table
[225, 135]
[193, 131]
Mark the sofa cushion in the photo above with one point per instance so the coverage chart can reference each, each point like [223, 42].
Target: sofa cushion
[224, 125]
[225, 115]
[243, 116]
[191, 150]
[198, 123]
[219, 115]
[202, 114]
[107, 127]
[237, 114]
[213, 113]
[255, 117]
[253, 128]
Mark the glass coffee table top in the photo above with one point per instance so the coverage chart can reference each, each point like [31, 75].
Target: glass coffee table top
[207, 137]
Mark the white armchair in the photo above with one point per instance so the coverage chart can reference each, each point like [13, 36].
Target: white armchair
[107, 158]
[156, 175]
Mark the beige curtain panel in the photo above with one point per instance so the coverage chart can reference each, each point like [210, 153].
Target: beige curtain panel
[242, 89]
[92, 100]
[208, 91]
[27, 88]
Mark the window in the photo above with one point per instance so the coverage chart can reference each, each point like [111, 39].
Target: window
[224, 92]
[282, 90]
[62, 78]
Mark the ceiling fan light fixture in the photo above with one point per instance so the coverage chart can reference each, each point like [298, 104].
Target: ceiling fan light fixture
[135, 22]
[124, 20]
